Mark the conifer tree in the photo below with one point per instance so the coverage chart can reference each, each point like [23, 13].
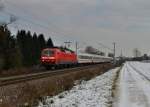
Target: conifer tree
[42, 42]
[8, 49]
[36, 49]
[49, 43]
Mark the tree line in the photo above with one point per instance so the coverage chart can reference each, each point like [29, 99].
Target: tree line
[22, 49]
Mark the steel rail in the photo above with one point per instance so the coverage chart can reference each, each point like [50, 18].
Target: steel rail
[27, 77]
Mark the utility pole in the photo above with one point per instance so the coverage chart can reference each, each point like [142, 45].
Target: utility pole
[76, 47]
[67, 44]
[106, 47]
[121, 54]
[114, 58]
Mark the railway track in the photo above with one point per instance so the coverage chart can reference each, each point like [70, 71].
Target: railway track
[27, 77]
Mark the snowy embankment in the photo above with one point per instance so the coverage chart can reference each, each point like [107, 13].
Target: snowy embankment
[134, 85]
[93, 93]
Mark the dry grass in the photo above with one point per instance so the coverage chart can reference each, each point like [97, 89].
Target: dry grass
[20, 71]
[114, 87]
[29, 93]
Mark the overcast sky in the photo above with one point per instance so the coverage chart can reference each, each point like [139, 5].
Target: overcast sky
[126, 22]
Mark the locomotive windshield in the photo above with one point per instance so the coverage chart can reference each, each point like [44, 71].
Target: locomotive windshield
[47, 53]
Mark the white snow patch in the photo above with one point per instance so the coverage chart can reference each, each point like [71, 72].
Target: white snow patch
[134, 85]
[93, 93]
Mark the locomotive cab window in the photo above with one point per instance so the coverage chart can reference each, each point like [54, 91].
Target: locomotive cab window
[48, 53]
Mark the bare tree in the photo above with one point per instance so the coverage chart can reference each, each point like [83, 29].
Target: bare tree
[12, 19]
[136, 52]
[1, 5]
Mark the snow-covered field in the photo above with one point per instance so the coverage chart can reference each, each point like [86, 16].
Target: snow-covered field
[134, 85]
[93, 93]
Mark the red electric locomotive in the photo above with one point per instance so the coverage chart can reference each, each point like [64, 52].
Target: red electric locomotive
[58, 57]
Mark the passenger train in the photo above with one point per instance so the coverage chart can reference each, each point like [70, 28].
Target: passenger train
[58, 57]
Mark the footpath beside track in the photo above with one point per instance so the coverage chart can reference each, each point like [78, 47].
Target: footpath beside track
[133, 86]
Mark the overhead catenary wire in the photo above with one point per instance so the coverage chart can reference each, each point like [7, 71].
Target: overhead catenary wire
[29, 22]
[106, 47]
[39, 25]
[36, 23]
[55, 34]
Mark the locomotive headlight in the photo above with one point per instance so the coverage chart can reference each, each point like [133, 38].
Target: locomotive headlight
[43, 58]
[52, 58]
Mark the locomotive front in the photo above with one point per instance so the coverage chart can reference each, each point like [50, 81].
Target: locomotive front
[48, 57]
[58, 57]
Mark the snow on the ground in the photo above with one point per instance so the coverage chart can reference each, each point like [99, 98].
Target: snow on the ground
[134, 85]
[93, 93]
